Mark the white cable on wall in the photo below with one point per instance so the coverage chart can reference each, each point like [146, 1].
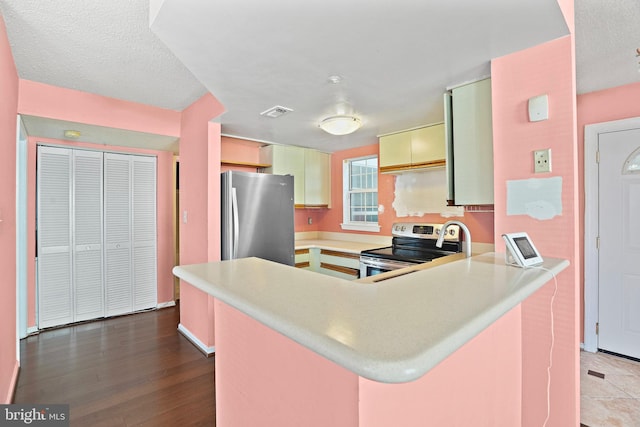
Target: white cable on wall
[553, 297]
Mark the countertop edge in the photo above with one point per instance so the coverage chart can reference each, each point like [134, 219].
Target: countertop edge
[395, 371]
[443, 349]
[336, 245]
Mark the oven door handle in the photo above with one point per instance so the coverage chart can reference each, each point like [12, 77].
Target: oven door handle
[380, 263]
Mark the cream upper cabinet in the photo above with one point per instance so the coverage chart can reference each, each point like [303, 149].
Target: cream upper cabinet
[395, 150]
[416, 149]
[472, 144]
[317, 181]
[428, 146]
[311, 170]
[286, 160]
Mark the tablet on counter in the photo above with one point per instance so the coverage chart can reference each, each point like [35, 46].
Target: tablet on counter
[522, 250]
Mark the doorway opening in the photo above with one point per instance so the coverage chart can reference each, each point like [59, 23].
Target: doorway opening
[594, 245]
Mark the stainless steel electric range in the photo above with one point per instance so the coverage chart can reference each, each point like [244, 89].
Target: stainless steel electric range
[412, 243]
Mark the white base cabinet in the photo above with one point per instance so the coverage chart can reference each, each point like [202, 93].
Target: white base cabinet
[96, 245]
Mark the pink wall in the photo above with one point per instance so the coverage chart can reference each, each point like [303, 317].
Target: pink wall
[596, 107]
[264, 378]
[8, 111]
[200, 199]
[164, 216]
[240, 150]
[547, 68]
[480, 224]
[478, 385]
[65, 104]
[39, 99]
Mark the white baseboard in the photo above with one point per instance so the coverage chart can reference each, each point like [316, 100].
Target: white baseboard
[208, 351]
[13, 384]
[166, 304]
[32, 330]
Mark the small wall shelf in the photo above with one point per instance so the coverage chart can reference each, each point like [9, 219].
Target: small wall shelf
[245, 164]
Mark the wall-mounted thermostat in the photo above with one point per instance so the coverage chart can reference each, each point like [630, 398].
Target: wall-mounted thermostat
[538, 108]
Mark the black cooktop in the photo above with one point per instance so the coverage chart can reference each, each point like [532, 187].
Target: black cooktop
[413, 250]
[406, 255]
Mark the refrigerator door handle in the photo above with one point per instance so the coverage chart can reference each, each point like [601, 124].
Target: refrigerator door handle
[236, 224]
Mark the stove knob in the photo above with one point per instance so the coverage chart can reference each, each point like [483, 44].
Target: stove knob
[451, 232]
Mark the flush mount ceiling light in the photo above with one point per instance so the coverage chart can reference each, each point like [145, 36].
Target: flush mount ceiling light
[340, 125]
[72, 134]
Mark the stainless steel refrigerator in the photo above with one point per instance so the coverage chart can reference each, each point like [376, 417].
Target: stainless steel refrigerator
[257, 216]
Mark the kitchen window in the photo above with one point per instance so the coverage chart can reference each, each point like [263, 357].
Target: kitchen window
[360, 189]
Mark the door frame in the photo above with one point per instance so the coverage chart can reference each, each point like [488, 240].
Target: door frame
[591, 222]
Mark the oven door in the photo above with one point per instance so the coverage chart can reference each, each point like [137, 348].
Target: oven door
[370, 266]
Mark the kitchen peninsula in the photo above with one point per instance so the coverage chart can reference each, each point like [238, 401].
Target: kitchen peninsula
[438, 346]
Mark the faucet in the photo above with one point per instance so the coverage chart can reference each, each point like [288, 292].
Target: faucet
[467, 236]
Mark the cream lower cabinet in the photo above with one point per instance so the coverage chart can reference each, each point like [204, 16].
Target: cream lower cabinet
[416, 149]
[303, 258]
[311, 170]
[345, 265]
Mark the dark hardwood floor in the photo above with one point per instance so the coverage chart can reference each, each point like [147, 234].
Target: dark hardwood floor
[134, 370]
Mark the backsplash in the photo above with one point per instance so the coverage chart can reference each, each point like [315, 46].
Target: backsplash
[423, 192]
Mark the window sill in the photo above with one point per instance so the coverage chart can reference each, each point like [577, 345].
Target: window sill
[361, 227]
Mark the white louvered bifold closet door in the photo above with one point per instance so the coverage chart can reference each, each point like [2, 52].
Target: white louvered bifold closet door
[87, 235]
[96, 235]
[144, 232]
[117, 204]
[55, 293]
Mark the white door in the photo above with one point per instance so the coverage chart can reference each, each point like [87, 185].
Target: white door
[55, 292]
[87, 235]
[130, 233]
[69, 236]
[619, 231]
[117, 205]
[143, 224]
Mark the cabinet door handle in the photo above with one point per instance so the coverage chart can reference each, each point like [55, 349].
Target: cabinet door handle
[236, 225]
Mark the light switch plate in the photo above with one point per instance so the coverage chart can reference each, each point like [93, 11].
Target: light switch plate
[542, 160]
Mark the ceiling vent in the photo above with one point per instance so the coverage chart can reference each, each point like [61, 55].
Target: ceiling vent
[275, 112]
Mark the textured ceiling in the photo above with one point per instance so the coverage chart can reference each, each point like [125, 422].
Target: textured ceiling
[101, 47]
[396, 58]
[607, 36]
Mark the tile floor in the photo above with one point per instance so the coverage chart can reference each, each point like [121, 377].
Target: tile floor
[612, 401]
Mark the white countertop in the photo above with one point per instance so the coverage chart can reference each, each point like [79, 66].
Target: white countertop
[337, 245]
[391, 331]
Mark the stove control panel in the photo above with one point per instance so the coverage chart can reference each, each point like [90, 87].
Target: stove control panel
[424, 230]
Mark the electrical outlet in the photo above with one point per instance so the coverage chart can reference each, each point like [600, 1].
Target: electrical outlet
[542, 160]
